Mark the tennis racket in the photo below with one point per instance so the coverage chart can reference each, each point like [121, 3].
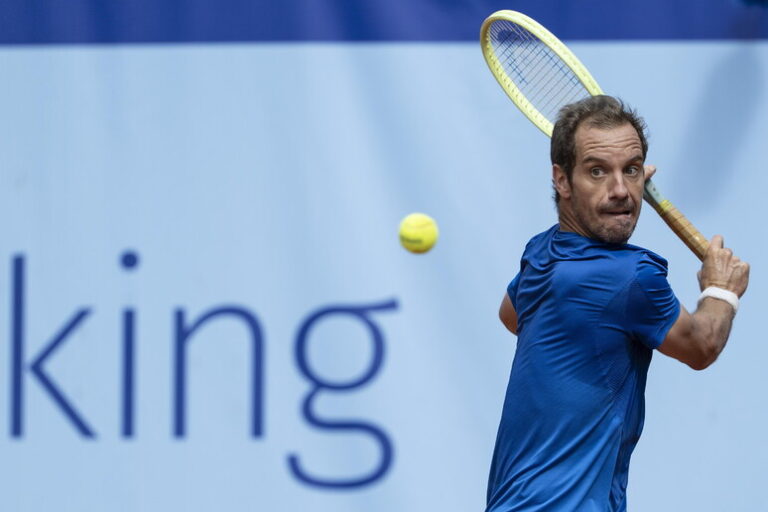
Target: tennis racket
[541, 75]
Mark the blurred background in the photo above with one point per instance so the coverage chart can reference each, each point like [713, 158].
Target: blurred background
[203, 301]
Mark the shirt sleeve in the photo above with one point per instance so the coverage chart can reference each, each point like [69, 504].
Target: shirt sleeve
[512, 290]
[653, 307]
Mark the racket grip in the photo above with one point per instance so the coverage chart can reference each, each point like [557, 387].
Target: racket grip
[682, 227]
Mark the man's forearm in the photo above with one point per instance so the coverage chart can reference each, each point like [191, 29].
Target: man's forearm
[712, 326]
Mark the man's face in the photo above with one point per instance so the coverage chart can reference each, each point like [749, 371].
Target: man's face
[604, 196]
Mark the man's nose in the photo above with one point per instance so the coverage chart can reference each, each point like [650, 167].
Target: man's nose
[618, 186]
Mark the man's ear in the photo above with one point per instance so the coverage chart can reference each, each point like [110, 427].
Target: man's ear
[560, 182]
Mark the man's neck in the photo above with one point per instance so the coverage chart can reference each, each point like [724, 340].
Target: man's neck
[567, 220]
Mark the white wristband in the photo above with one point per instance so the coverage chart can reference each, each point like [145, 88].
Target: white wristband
[721, 294]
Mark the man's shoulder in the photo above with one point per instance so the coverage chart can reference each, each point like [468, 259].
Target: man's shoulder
[646, 260]
[572, 250]
[614, 266]
[542, 237]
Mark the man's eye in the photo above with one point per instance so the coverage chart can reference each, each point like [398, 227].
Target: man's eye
[632, 170]
[596, 172]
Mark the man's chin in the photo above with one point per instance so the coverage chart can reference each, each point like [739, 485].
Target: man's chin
[617, 237]
[616, 234]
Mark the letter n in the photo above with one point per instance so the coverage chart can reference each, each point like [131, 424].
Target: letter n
[183, 335]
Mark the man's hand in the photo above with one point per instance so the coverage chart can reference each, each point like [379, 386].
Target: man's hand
[697, 339]
[721, 268]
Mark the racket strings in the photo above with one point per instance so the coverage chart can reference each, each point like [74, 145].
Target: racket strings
[546, 78]
[546, 81]
[535, 69]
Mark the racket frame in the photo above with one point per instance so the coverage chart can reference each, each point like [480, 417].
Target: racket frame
[554, 44]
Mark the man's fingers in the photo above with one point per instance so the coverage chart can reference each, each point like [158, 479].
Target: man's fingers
[743, 266]
[723, 269]
[743, 270]
[717, 242]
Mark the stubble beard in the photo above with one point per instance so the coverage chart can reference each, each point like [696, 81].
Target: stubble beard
[609, 233]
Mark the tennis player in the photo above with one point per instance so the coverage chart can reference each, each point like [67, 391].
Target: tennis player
[589, 309]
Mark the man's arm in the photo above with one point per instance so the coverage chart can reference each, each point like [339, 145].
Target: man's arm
[508, 315]
[697, 339]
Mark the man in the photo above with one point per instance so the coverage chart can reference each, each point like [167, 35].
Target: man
[589, 309]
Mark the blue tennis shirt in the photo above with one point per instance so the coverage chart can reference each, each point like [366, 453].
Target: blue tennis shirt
[589, 316]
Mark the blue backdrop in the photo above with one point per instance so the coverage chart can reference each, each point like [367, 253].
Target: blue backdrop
[203, 303]
[150, 21]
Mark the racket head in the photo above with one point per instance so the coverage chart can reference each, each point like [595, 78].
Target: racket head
[536, 70]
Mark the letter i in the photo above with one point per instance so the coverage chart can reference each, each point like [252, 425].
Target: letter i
[129, 262]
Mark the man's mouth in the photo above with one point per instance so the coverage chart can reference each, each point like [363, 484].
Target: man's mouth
[618, 211]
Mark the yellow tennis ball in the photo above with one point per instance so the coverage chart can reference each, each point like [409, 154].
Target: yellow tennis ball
[418, 232]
